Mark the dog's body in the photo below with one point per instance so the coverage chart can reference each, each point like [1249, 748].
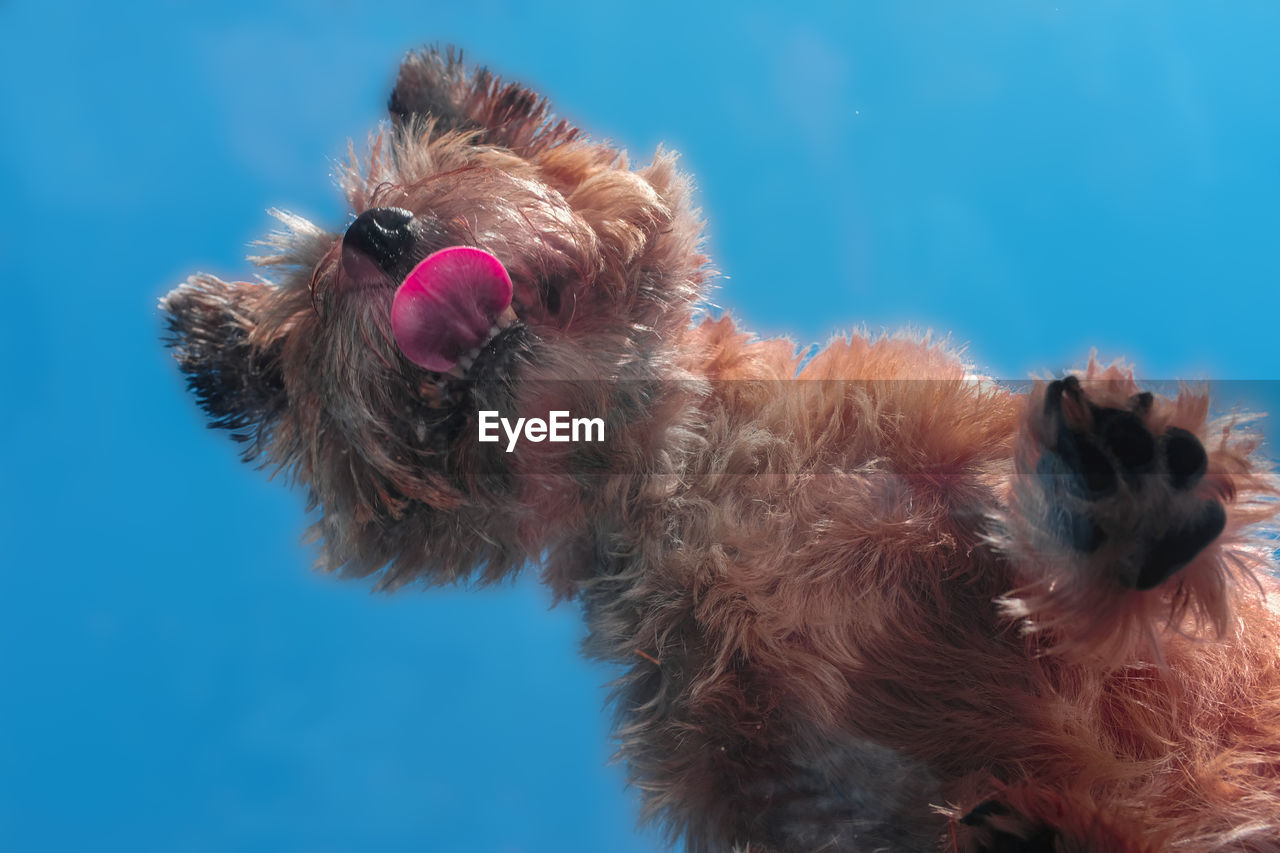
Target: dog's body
[868, 602]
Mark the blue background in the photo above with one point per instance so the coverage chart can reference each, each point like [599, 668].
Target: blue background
[1034, 178]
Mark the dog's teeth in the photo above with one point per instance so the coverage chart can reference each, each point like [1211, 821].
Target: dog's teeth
[459, 369]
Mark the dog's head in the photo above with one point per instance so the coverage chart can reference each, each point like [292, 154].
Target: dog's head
[496, 260]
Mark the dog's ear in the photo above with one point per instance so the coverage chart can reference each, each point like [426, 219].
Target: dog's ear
[435, 87]
[236, 379]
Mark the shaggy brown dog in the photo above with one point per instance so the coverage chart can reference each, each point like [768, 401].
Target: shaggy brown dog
[868, 602]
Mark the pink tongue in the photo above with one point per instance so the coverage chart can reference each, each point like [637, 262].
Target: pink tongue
[446, 306]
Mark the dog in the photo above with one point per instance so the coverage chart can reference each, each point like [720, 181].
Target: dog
[864, 601]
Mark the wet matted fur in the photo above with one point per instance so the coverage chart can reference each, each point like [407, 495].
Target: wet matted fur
[867, 602]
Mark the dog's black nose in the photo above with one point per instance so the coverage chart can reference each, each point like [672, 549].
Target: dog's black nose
[384, 235]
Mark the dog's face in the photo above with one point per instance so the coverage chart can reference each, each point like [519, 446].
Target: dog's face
[495, 261]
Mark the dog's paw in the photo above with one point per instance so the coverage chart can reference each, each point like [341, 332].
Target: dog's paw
[1113, 480]
[1127, 516]
[994, 828]
[1026, 818]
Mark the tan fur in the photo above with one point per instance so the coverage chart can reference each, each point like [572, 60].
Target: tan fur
[843, 613]
[850, 570]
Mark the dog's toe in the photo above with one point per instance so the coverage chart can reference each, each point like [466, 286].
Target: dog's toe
[1185, 457]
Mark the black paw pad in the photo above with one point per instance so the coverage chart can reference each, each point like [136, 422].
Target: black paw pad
[1093, 466]
[1116, 443]
[978, 815]
[1153, 527]
[1185, 457]
[1128, 439]
[1087, 472]
[1180, 546]
[1077, 465]
[1009, 836]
